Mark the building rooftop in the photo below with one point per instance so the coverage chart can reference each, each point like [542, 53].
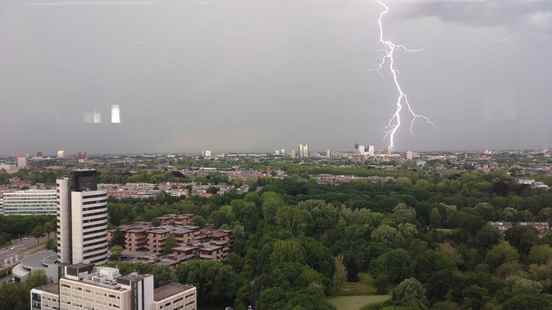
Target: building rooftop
[132, 277]
[169, 290]
[50, 288]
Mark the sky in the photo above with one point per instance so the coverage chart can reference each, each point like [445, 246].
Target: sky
[250, 75]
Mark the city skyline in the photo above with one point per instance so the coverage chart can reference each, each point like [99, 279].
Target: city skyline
[256, 76]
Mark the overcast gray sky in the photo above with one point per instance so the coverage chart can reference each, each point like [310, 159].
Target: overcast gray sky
[254, 75]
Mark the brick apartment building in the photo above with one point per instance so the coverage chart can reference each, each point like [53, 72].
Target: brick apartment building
[144, 240]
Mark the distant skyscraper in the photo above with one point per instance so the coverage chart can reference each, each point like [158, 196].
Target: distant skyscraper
[115, 114]
[97, 118]
[410, 155]
[303, 151]
[371, 150]
[207, 154]
[82, 157]
[21, 161]
[60, 154]
[328, 153]
[293, 154]
[82, 219]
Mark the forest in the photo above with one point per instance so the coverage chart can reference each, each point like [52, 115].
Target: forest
[425, 240]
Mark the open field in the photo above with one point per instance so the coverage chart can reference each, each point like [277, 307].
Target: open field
[355, 295]
[364, 287]
[356, 302]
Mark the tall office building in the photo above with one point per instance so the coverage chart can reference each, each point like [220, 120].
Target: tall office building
[82, 219]
[303, 151]
[30, 202]
[371, 150]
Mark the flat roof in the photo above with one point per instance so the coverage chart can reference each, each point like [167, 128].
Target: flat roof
[168, 290]
[50, 288]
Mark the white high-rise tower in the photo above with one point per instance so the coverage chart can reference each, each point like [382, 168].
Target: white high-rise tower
[115, 114]
[82, 219]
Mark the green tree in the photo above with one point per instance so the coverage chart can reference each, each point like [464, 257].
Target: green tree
[387, 235]
[402, 213]
[170, 243]
[411, 293]
[528, 301]
[522, 238]
[199, 220]
[51, 245]
[540, 254]
[118, 238]
[396, 265]
[502, 253]
[340, 273]
[216, 283]
[116, 252]
[37, 233]
[435, 218]
[487, 237]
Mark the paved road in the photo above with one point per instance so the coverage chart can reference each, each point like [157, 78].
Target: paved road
[12, 254]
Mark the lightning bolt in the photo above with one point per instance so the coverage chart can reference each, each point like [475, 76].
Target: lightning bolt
[394, 123]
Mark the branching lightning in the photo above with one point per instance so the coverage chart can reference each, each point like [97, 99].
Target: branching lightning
[394, 123]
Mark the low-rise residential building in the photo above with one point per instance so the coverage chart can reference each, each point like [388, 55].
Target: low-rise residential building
[191, 241]
[131, 190]
[30, 202]
[541, 227]
[87, 287]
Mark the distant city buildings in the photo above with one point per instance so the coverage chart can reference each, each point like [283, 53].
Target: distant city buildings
[8, 168]
[82, 219]
[293, 154]
[331, 179]
[533, 184]
[410, 155]
[131, 190]
[206, 154]
[115, 114]
[84, 286]
[371, 150]
[280, 152]
[29, 202]
[303, 151]
[21, 161]
[365, 150]
[60, 154]
[541, 227]
[82, 157]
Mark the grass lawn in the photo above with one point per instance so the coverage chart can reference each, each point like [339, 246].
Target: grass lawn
[356, 302]
[364, 287]
[355, 295]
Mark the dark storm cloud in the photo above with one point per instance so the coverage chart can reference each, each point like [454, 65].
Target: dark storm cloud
[536, 14]
[255, 75]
